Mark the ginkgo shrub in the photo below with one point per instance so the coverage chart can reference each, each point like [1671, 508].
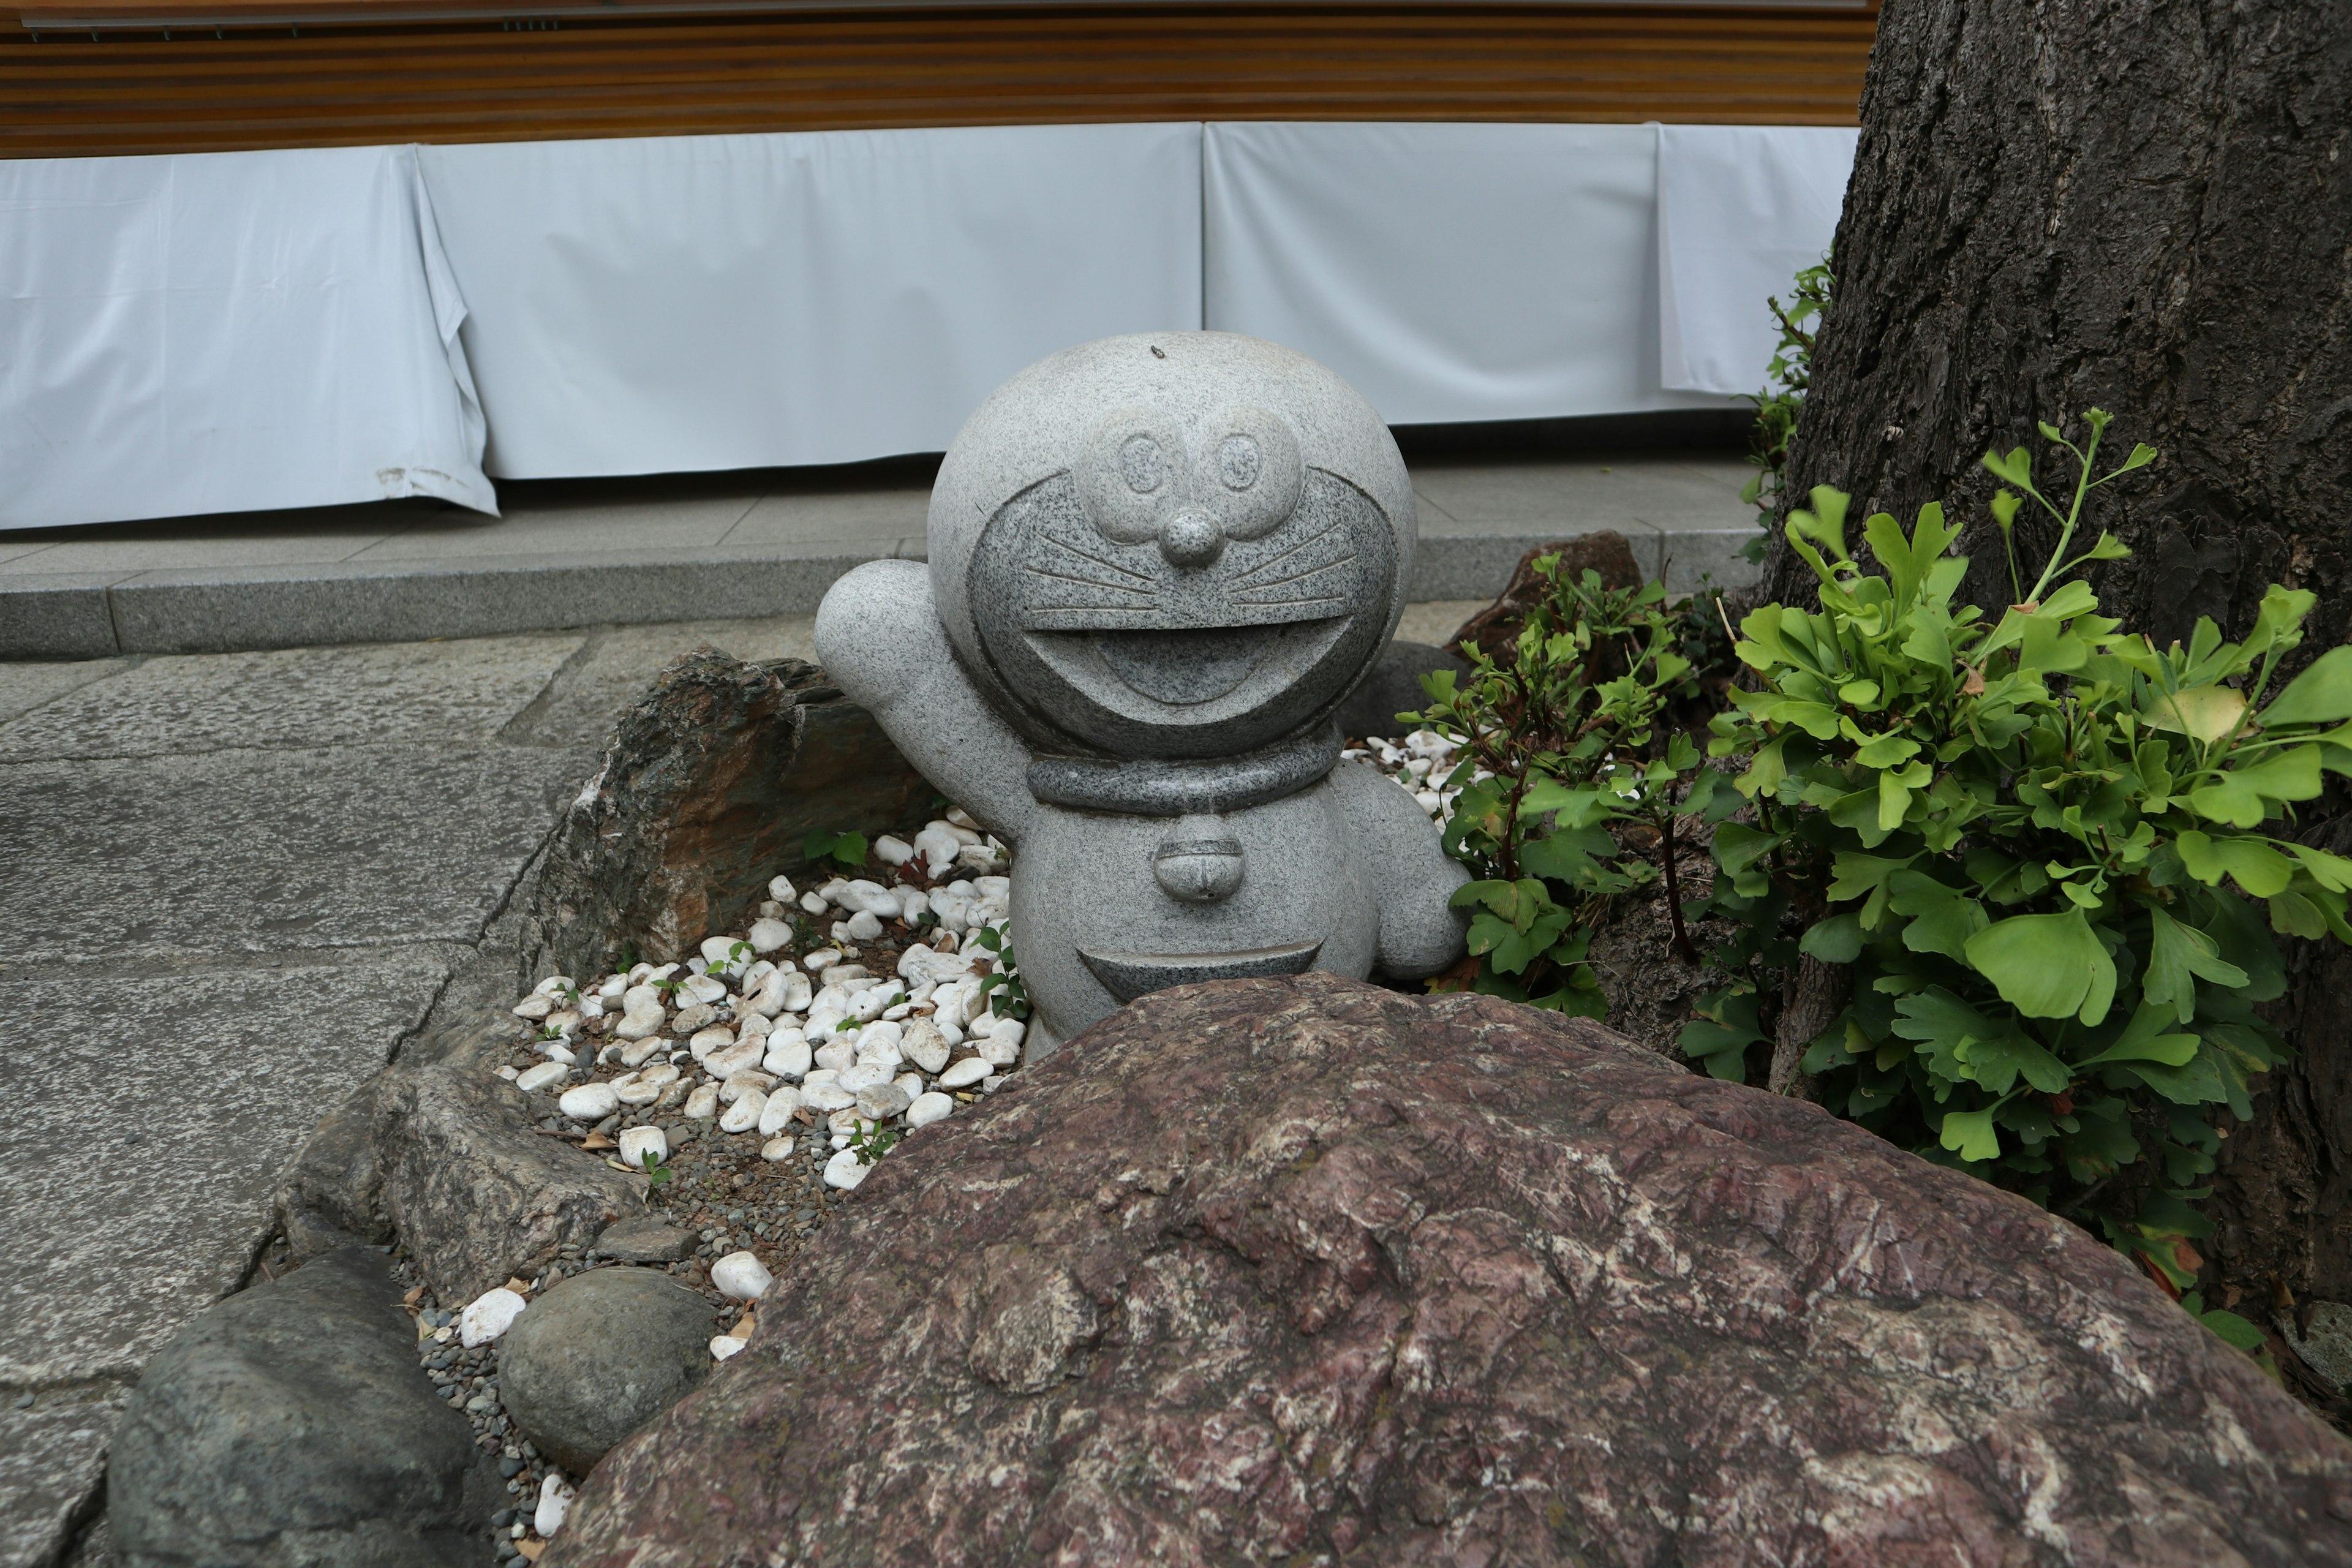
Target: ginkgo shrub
[2052, 860]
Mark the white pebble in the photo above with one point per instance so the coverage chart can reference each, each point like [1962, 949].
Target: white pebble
[929, 1108]
[488, 1316]
[939, 846]
[637, 1143]
[920, 1042]
[702, 988]
[836, 1054]
[863, 926]
[703, 1103]
[788, 1056]
[845, 1170]
[719, 953]
[776, 1149]
[780, 889]
[741, 1277]
[864, 1074]
[554, 1501]
[827, 1095]
[508, 1073]
[881, 1101]
[892, 850]
[723, 1346]
[613, 985]
[636, 1052]
[531, 1080]
[823, 958]
[589, 1103]
[641, 1013]
[962, 1073]
[769, 935]
[744, 1114]
[534, 1006]
[999, 1050]
[725, 1064]
[633, 1089]
[777, 1114]
[813, 903]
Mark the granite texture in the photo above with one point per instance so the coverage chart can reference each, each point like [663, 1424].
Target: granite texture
[154, 1108]
[52, 1459]
[1158, 565]
[1304, 1271]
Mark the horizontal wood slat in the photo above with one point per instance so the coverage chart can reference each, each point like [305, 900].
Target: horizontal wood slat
[492, 80]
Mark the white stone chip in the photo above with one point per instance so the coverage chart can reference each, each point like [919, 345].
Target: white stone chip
[488, 1316]
[881, 1101]
[777, 1114]
[920, 1042]
[892, 850]
[845, 1170]
[744, 1114]
[589, 1103]
[703, 1103]
[813, 903]
[534, 1006]
[741, 1277]
[702, 988]
[641, 1013]
[963, 1074]
[863, 926]
[531, 1080]
[767, 935]
[788, 1056]
[724, 1345]
[827, 1095]
[777, 1149]
[638, 1052]
[928, 1108]
[637, 1142]
[555, 1494]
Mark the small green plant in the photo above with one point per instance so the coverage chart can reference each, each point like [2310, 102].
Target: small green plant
[547, 1032]
[1562, 758]
[846, 850]
[1007, 998]
[738, 957]
[872, 1140]
[1787, 380]
[657, 1172]
[2035, 853]
[670, 987]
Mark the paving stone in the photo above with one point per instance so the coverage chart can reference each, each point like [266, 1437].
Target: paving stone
[51, 1459]
[617, 666]
[259, 851]
[25, 686]
[151, 1113]
[297, 698]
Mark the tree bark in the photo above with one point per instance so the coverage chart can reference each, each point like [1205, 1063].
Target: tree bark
[2144, 205]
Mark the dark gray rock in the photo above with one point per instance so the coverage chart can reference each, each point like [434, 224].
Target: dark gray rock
[330, 1196]
[710, 784]
[644, 1239]
[598, 1356]
[1393, 687]
[475, 1193]
[291, 1425]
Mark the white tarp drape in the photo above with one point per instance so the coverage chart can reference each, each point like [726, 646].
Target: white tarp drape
[742, 301]
[1450, 272]
[247, 331]
[1741, 210]
[227, 331]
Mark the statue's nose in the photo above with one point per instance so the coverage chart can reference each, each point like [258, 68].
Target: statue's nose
[1192, 539]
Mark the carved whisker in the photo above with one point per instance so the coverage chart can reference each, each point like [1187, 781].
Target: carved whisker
[1278, 559]
[1086, 555]
[1301, 576]
[1149, 592]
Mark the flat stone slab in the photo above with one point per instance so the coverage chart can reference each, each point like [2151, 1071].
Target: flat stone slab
[301, 698]
[264, 851]
[51, 1458]
[151, 1113]
[25, 686]
[617, 666]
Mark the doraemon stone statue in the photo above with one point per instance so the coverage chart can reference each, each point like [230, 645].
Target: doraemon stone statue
[1158, 562]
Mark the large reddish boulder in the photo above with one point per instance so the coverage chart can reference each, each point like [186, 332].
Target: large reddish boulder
[1302, 1270]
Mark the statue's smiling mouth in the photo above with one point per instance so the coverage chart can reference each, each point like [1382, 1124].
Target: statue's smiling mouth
[1199, 664]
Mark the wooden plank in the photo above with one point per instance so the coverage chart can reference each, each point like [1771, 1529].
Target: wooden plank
[481, 81]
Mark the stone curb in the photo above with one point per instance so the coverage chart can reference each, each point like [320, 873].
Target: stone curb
[226, 610]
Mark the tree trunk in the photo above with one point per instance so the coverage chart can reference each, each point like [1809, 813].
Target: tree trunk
[2144, 205]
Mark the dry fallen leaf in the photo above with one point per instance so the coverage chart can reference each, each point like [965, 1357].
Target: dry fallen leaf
[742, 1331]
[531, 1549]
[520, 1287]
[415, 1294]
[598, 1141]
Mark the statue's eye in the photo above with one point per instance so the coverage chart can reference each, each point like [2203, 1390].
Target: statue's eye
[1238, 462]
[1142, 464]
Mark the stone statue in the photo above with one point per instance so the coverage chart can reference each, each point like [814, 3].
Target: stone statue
[1158, 564]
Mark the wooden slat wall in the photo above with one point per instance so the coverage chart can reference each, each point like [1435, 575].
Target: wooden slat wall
[492, 80]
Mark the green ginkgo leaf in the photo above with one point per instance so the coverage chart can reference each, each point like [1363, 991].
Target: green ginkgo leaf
[2046, 967]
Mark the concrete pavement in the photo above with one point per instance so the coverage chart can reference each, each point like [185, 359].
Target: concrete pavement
[675, 547]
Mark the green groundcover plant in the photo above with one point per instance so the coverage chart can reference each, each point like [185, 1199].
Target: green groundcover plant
[2051, 858]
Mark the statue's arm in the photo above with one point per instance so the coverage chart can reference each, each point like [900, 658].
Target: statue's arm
[1400, 857]
[879, 637]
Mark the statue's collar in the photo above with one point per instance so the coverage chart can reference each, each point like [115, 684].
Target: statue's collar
[1158, 787]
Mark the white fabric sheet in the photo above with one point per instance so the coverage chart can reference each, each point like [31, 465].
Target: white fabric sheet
[1742, 209]
[693, 303]
[1450, 272]
[226, 331]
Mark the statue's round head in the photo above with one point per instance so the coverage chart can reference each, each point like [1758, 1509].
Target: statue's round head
[1180, 545]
